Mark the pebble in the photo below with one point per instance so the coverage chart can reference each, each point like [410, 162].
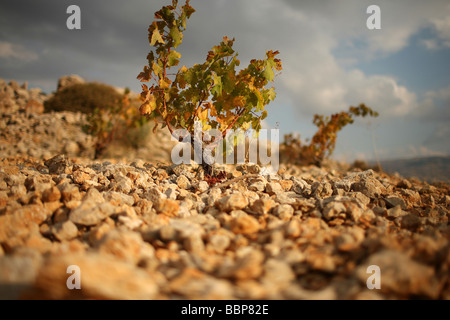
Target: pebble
[257, 186]
[123, 244]
[273, 188]
[64, 231]
[194, 244]
[244, 225]
[90, 213]
[284, 211]
[51, 194]
[232, 202]
[183, 182]
[395, 212]
[278, 272]
[411, 222]
[333, 210]
[219, 242]
[248, 265]
[396, 201]
[262, 206]
[167, 207]
[202, 186]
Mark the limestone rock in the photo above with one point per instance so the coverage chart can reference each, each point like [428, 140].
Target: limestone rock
[262, 206]
[401, 275]
[65, 230]
[102, 277]
[235, 201]
[244, 225]
[90, 213]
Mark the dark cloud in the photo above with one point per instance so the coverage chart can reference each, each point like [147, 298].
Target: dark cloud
[112, 39]
[112, 43]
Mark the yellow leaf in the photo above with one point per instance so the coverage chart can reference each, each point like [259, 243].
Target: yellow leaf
[145, 109]
[202, 114]
[156, 68]
[183, 69]
[148, 106]
[156, 37]
[245, 126]
[164, 83]
[239, 101]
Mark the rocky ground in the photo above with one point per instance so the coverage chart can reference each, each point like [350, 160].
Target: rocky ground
[138, 229]
[25, 130]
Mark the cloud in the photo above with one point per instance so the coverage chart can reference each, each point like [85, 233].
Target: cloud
[12, 51]
[431, 44]
[442, 26]
[400, 19]
[113, 37]
[314, 78]
[435, 106]
[325, 87]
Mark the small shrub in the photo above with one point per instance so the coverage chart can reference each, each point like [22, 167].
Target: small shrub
[83, 97]
[119, 121]
[322, 144]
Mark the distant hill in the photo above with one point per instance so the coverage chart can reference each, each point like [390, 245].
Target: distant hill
[430, 169]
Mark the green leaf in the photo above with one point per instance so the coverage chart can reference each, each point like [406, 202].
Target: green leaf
[173, 58]
[217, 88]
[264, 115]
[271, 94]
[270, 63]
[164, 83]
[190, 75]
[183, 19]
[228, 82]
[156, 68]
[180, 79]
[176, 35]
[268, 73]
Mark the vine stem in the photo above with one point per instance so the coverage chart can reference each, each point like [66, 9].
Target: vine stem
[229, 182]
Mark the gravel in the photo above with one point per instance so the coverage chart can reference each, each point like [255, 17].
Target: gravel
[218, 242]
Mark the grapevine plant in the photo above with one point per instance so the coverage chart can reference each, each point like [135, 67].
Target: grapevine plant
[212, 93]
[323, 142]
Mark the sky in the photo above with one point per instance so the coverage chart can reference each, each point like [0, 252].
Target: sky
[331, 60]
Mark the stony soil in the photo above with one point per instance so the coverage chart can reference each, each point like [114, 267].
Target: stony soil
[138, 229]
[26, 131]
